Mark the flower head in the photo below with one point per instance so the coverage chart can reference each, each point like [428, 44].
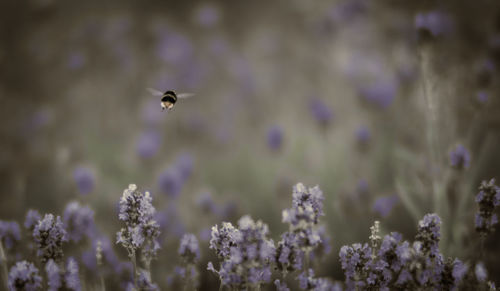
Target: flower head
[78, 221]
[487, 199]
[275, 137]
[84, 179]
[10, 233]
[24, 276]
[32, 218]
[460, 157]
[189, 249]
[49, 235]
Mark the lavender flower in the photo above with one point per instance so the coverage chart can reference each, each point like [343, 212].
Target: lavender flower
[482, 96]
[206, 202]
[363, 135]
[275, 137]
[24, 276]
[49, 235]
[307, 281]
[321, 112]
[148, 144]
[143, 283]
[433, 22]
[380, 93]
[71, 277]
[10, 233]
[78, 221]
[428, 234]
[84, 179]
[53, 275]
[207, 15]
[32, 218]
[141, 231]
[281, 286]
[384, 205]
[170, 182]
[354, 261]
[460, 157]
[487, 199]
[246, 252]
[189, 249]
[480, 272]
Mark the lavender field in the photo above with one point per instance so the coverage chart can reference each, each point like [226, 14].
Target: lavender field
[329, 145]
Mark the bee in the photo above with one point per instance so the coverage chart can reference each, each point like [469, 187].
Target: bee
[169, 98]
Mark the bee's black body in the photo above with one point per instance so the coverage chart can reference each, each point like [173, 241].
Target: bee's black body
[168, 99]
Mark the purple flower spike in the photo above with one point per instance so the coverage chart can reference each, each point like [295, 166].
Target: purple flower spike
[487, 199]
[32, 218]
[275, 137]
[10, 233]
[384, 205]
[148, 144]
[460, 157]
[189, 249]
[321, 112]
[84, 179]
[24, 276]
[78, 221]
[49, 235]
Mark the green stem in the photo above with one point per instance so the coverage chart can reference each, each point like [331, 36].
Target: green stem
[103, 286]
[134, 264]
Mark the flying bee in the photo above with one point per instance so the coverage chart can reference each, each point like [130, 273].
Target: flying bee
[169, 98]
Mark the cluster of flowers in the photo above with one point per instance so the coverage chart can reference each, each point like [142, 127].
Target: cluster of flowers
[49, 234]
[392, 263]
[247, 255]
[487, 199]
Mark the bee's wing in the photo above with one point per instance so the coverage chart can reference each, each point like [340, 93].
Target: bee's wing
[155, 92]
[184, 95]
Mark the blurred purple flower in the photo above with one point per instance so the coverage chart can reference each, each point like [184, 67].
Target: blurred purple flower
[76, 60]
[174, 48]
[78, 221]
[480, 272]
[53, 276]
[10, 233]
[189, 249]
[321, 112]
[32, 218]
[482, 96]
[347, 10]
[84, 179]
[275, 137]
[381, 93]
[487, 199]
[71, 277]
[24, 276]
[148, 144]
[281, 286]
[435, 22]
[206, 202]
[170, 182]
[184, 164]
[207, 15]
[363, 135]
[460, 157]
[383, 205]
[362, 189]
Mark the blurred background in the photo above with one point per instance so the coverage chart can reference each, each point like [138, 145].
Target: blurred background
[366, 99]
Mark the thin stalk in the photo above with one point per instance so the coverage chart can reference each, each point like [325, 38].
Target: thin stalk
[5, 272]
[134, 264]
[103, 286]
